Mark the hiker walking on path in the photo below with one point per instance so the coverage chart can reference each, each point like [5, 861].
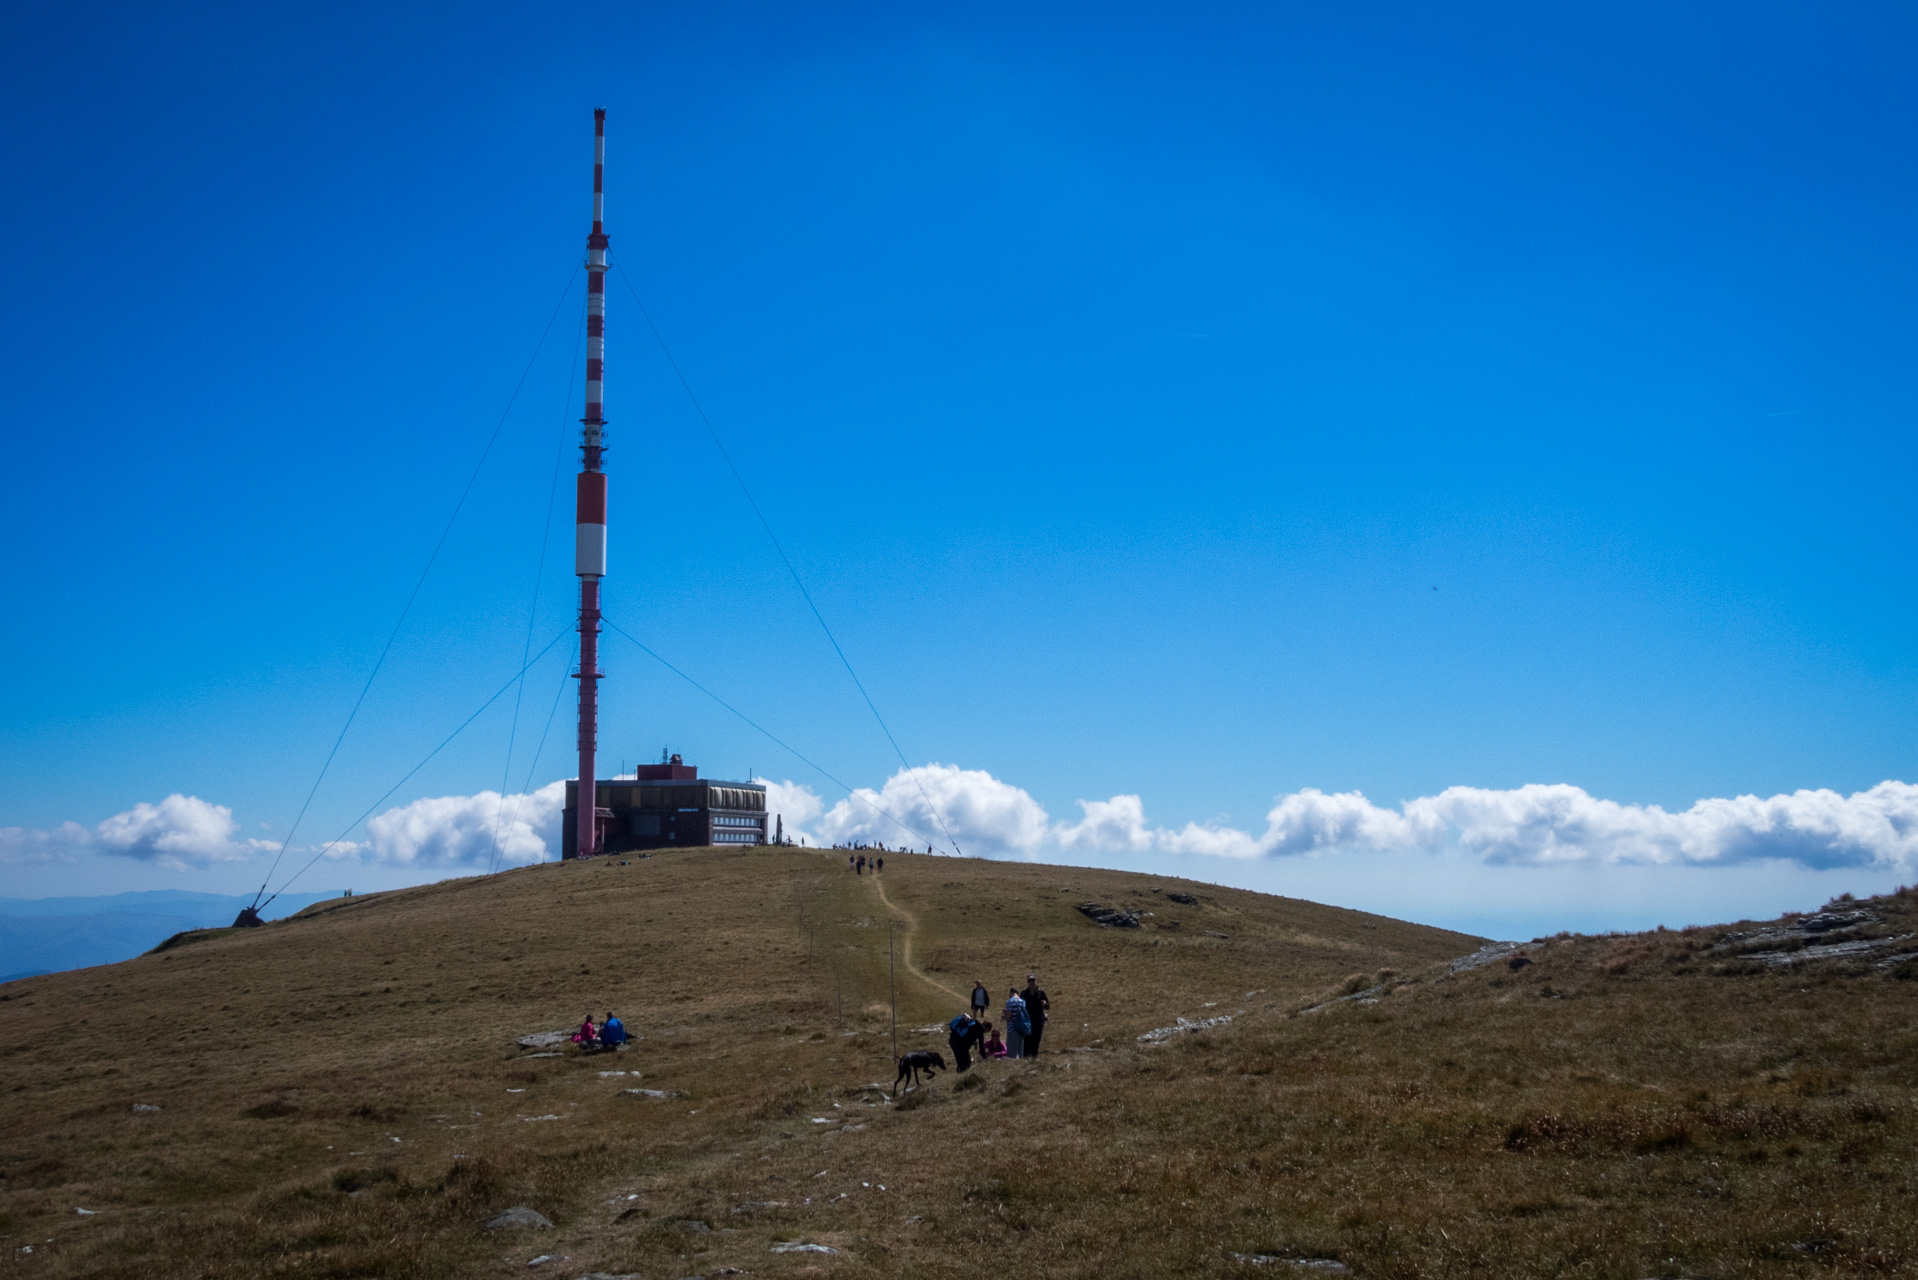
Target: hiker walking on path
[980, 999]
[1036, 1006]
[1016, 1024]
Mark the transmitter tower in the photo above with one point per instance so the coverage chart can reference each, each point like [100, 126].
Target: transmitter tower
[590, 552]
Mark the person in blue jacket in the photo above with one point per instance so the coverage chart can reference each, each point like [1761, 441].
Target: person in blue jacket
[964, 1036]
[612, 1032]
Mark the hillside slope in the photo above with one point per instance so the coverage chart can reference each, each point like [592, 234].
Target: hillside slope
[343, 1095]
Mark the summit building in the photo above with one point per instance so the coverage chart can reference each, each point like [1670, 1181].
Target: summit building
[665, 806]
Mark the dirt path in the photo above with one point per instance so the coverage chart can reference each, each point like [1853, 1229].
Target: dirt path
[905, 942]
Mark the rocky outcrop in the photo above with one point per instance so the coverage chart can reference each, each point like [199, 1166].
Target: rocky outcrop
[1828, 935]
[1184, 1026]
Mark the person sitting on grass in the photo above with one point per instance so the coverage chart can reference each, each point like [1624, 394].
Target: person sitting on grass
[994, 1047]
[586, 1037]
[612, 1032]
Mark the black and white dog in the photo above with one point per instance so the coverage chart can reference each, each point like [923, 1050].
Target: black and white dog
[911, 1064]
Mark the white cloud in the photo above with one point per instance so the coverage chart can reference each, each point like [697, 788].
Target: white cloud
[22, 844]
[1535, 825]
[984, 814]
[459, 831]
[1118, 823]
[1542, 825]
[794, 802]
[1556, 824]
[178, 832]
[1302, 822]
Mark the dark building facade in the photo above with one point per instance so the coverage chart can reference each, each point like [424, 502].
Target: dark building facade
[667, 806]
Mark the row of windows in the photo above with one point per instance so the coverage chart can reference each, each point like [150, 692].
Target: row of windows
[693, 795]
[735, 837]
[734, 820]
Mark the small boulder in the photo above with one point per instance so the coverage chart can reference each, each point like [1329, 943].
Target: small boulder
[1518, 962]
[518, 1218]
[1186, 898]
[758, 1206]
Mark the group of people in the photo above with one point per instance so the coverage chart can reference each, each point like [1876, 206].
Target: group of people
[901, 849]
[1024, 1015]
[609, 1034]
[859, 863]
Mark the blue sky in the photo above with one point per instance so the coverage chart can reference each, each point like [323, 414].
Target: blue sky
[1200, 403]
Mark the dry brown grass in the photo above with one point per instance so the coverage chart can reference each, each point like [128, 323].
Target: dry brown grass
[1624, 1107]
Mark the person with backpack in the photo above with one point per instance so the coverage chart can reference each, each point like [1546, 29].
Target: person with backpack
[1036, 1006]
[1016, 1024]
[963, 1037]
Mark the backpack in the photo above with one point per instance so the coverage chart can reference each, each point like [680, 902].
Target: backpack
[960, 1025]
[1018, 1018]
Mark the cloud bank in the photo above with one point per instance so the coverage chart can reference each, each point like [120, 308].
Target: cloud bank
[1556, 825]
[459, 831]
[1535, 825]
[180, 832]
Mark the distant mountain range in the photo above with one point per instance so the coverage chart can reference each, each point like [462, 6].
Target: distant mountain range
[46, 935]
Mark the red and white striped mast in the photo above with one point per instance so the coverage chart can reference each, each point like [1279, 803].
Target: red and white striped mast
[590, 556]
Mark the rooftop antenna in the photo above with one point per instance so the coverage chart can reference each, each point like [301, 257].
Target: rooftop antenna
[590, 548]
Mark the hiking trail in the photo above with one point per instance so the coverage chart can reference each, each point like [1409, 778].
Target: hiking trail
[911, 923]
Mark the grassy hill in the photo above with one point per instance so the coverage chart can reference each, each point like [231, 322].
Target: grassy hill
[343, 1095]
